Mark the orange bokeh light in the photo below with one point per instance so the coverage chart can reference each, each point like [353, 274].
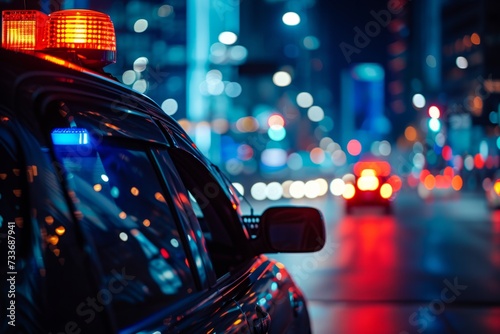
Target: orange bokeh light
[410, 133]
[475, 39]
[430, 182]
[457, 182]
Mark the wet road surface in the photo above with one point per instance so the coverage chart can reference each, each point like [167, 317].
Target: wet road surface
[430, 267]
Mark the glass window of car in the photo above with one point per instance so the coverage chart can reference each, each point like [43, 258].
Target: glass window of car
[217, 215]
[129, 220]
[124, 211]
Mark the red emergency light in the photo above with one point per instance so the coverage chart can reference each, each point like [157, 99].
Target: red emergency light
[82, 36]
[23, 29]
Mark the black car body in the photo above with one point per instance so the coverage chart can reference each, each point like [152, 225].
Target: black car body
[111, 220]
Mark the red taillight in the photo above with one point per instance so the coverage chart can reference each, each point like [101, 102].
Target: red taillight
[23, 29]
[80, 29]
[381, 168]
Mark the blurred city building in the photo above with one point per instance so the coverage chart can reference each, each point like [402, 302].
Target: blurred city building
[285, 89]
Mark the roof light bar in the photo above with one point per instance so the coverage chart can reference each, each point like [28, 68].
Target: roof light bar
[81, 36]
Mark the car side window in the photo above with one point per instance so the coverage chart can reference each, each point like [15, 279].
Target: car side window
[125, 214]
[216, 214]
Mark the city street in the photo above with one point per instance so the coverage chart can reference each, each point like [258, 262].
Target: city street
[431, 267]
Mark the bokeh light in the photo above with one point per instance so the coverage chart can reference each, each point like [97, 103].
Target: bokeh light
[140, 85]
[274, 157]
[233, 89]
[431, 61]
[418, 101]
[349, 191]
[434, 112]
[315, 114]
[434, 124]
[140, 64]
[311, 43]
[385, 148]
[297, 189]
[258, 191]
[276, 121]
[274, 191]
[410, 133]
[475, 39]
[305, 100]
[337, 187]
[282, 79]
[354, 147]
[317, 155]
[276, 133]
[165, 10]
[140, 25]
[228, 37]
[462, 62]
[291, 19]
[238, 53]
[129, 77]
[247, 124]
[312, 189]
[169, 106]
[295, 161]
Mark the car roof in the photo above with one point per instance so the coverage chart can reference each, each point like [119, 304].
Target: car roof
[22, 66]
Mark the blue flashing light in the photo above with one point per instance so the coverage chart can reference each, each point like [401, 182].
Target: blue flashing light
[70, 136]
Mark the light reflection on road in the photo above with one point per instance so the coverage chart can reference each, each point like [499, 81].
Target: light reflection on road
[386, 273]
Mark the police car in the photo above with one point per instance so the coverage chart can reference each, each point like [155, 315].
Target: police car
[111, 220]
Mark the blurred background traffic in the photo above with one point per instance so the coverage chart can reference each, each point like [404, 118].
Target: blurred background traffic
[286, 95]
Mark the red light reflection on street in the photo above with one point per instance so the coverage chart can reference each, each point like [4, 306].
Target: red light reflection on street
[495, 226]
[372, 245]
[369, 319]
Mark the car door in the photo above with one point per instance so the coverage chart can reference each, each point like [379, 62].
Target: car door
[151, 269]
[48, 267]
[261, 287]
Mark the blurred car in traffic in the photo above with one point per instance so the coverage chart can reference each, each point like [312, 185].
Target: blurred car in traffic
[111, 218]
[369, 185]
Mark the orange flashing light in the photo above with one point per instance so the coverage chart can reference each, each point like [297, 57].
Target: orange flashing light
[81, 36]
[23, 29]
[80, 29]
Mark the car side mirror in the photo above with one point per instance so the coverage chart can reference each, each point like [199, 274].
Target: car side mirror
[291, 230]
